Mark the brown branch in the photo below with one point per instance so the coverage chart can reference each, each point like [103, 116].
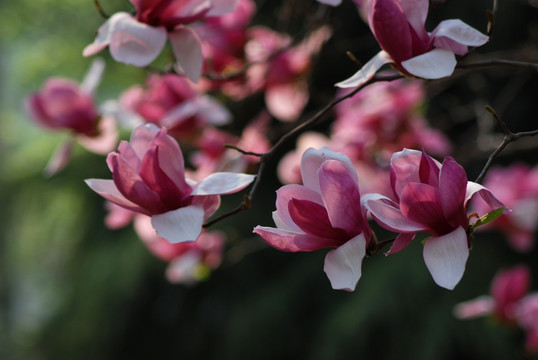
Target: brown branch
[498, 62]
[100, 9]
[508, 138]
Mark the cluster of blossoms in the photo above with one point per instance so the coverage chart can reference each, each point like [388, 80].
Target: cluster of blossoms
[510, 303]
[404, 191]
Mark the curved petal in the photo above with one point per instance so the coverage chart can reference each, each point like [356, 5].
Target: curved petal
[141, 138]
[460, 32]
[223, 183]
[387, 214]
[343, 264]
[105, 141]
[220, 7]
[416, 12]
[286, 101]
[367, 71]
[103, 34]
[132, 42]
[452, 186]
[404, 168]
[490, 199]
[445, 256]
[400, 243]
[59, 159]
[434, 64]
[291, 241]
[330, 2]
[188, 51]
[481, 306]
[312, 219]
[171, 160]
[108, 190]
[210, 203]
[93, 76]
[312, 160]
[288, 192]
[181, 225]
[340, 193]
[212, 111]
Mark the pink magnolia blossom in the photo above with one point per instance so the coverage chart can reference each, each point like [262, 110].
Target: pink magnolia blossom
[149, 178]
[517, 187]
[508, 302]
[282, 76]
[398, 26]
[171, 102]
[430, 197]
[188, 262]
[63, 104]
[139, 39]
[324, 212]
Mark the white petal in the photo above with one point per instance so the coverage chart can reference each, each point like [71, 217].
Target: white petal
[343, 264]
[460, 32]
[223, 183]
[213, 111]
[445, 256]
[188, 51]
[132, 42]
[434, 64]
[330, 2]
[367, 71]
[93, 76]
[181, 225]
[60, 159]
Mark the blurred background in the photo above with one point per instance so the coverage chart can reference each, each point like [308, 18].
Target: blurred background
[72, 288]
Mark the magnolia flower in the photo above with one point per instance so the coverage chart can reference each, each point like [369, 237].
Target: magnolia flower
[139, 40]
[149, 178]
[527, 318]
[324, 212]
[64, 104]
[430, 197]
[398, 26]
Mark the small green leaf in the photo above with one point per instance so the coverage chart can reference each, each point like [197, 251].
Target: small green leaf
[489, 217]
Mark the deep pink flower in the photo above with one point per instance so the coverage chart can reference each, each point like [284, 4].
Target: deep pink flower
[527, 318]
[149, 178]
[324, 212]
[517, 187]
[171, 102]
[139, 39]
[63, 104]
[431, 198]
[398, 26]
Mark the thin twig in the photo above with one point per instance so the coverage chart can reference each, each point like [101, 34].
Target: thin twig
[508, 138]
[100, 9]
[498, 62]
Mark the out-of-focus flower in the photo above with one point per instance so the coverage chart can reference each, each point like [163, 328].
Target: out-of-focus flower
[517, 187]
[430, 197]
[188, 262]
[139, 39]
[170, 101]
[149, 178]
[324, 212]
[330, 2]
[63, 104]
[508, 303]
[282, 72]
[398, 26]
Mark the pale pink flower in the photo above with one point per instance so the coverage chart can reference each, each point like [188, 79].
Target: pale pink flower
[527, 318]
[517, 187]
[63, 104]
[139, 39]
[430, 197]
[324, 212]
[188, 262]
[398, 26]
[149, 178]
[330, 2]
[171, 102]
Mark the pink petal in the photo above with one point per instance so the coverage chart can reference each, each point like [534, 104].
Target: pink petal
[290, 241]
[330, 2]
[59, 159]
[312, 160]
[452, 186]
[416, 12]
[286, 101]
[108, 190]
[429, 171]
[400, 243]
[404, 168]
[171, 160]
[367, 71]
[220, 7]
[387, 214]
[288, 192]
[132, 42]
[340, 193]
[93, 76]
[103, 34]
[181, 225]
[107, 139]
[459, 32]
[141, 138]
[210, 203]
[212, 111]
[445, 256]
[343, 264]
[312, 218]
[223, 183]
[490, 199]
[481, 306]
[188, 51]
[434, 64]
